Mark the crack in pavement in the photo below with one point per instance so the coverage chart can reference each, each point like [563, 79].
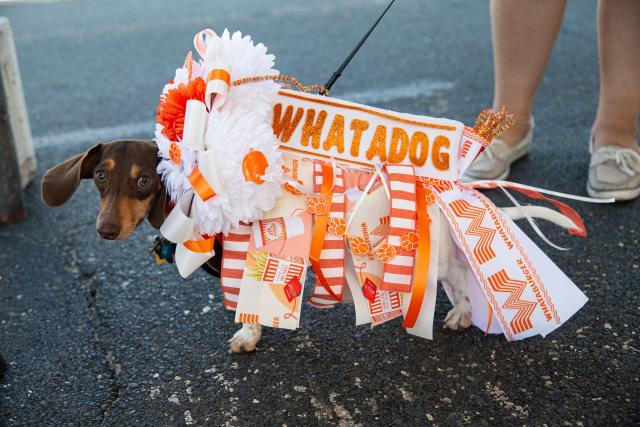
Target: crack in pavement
[114, 367]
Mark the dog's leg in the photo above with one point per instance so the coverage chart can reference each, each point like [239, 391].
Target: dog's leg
[245, 339]
[460, 315]
[454, 271]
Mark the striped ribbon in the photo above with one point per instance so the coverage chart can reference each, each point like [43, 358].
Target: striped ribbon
[332, 255]
[235, 246]
[397, 272]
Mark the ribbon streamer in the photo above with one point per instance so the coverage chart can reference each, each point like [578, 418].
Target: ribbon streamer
[320, 228]
[192, 250]
[421, 274]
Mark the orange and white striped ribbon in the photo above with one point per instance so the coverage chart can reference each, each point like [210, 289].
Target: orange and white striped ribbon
[397, 272]
[332, 255]
[235, 246]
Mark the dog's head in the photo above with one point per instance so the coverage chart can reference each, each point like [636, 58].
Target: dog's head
[125, 174]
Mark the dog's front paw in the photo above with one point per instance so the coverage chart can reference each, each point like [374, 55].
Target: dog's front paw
[459, 317]
[245, 339]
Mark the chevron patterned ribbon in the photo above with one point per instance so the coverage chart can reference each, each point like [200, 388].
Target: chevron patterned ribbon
[527, 293]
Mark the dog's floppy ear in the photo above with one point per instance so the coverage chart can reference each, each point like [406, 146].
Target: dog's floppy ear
[59, 183]
[156, 213]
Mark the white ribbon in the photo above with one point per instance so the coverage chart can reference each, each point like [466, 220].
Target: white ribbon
[218, 81]
[178, 228]
[531, 221]
[195, 125]
[362, 197]
[501, 183]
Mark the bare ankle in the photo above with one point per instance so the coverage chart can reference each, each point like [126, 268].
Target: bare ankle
[516, 133]
[606, 134]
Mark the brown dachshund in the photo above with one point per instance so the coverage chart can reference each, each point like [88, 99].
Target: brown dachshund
[125, 174]
[131, 190]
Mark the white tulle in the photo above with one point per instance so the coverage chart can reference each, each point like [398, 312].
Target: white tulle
[241, 124]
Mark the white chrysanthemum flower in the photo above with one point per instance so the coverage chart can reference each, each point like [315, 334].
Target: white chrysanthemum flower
[242, 124]
[231, 135]
[175, 176]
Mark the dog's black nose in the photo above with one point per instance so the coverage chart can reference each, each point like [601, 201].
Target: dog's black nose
[109, 231]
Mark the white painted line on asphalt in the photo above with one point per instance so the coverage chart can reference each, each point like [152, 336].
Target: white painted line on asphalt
[10, 2]
[417, 89]
[86, 135]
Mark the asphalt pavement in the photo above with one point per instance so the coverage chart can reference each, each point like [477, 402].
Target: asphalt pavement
[95, 333]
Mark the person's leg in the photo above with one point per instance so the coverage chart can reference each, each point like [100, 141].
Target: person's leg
[523, 33]
[619, 46]
[614, 169]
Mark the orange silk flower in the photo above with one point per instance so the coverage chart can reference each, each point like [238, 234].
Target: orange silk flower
[173, 104]
[385, 253]
[337, 226]
[317, 205]
[409, 241]
[358, 245]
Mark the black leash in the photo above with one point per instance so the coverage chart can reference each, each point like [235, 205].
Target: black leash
[335, 76]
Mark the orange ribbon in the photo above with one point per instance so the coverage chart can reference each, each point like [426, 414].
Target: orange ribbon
[200, 185]
[423, 256]
[199, 246]
[320, 227]
[219, 74]
[486, 331]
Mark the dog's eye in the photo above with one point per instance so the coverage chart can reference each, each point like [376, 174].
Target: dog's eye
[144, 180]
[101, 176]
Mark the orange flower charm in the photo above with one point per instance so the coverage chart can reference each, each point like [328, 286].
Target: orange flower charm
[317, 205]
[174, 153]
[385, 253]
[358, 245]
[337, 226]
[173, 105]
[409, 241]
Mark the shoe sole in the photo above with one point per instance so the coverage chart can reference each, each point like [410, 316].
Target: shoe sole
[618, 195]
